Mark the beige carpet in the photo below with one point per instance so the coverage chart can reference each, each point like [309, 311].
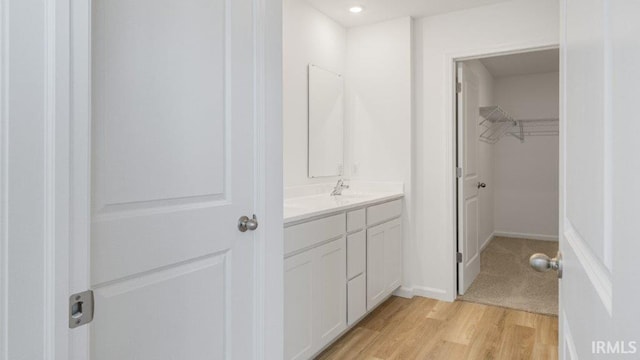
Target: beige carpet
[507, 280]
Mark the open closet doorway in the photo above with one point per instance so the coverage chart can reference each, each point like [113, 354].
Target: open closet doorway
[507, 164]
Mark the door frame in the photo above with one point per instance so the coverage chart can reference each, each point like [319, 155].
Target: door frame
[65, 61]
[451, 136]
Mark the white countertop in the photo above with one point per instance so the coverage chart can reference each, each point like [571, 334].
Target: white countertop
[306, 207]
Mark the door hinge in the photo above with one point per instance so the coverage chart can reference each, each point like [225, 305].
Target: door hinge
[459, 257]
[458, 87]
[80, 309]
[459, 172]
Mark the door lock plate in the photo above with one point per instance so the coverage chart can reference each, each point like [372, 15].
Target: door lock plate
[80, 309]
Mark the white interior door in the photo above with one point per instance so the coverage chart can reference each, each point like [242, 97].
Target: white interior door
[599, 314]
[468, 244]
[172, 171]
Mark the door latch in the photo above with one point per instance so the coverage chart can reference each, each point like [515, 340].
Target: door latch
[80, 309]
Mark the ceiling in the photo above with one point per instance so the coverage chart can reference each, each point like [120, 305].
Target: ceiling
[380, 10]
[536, 62]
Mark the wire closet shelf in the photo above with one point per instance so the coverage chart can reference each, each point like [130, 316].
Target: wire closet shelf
[498, 123]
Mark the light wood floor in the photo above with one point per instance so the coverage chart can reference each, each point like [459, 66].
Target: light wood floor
[421, 328]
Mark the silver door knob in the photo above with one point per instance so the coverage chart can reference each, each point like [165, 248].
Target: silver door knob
[542, 262]
[245, 223]
[481, 185]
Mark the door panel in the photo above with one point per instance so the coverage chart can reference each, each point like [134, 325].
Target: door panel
[585, 106]
[585, 291]
[468, 243]
[165, 306]
[158, 85]
[471, 249]
[599, 171]
[172, 171]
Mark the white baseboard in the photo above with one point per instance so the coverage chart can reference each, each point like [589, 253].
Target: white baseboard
[487, 241]
[404, 292]
[423, 291]
[526, 236]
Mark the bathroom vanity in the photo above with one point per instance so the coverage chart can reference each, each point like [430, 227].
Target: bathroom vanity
[342, 258]
[342, 243]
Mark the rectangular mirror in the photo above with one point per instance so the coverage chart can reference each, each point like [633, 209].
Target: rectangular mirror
[326, 122]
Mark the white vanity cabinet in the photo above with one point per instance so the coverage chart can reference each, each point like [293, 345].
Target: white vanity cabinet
[315, 295]
[337, 269]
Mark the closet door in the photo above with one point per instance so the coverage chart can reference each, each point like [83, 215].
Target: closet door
[468, 244]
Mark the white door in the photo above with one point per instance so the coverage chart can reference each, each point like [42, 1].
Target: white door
[599, 294]
[467, 159]
[154, 178]
[172, 171]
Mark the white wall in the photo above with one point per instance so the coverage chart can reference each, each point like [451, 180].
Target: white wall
[494, 28]
[379, 100]
[485, 158]
[526, 174]
[379, 108]
[308, 37]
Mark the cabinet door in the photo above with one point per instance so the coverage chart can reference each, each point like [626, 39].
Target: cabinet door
[384, 261]
[376, 286]
[298, 304]
[356, 298]
[356, 254]
[393, 254]
[331, 282]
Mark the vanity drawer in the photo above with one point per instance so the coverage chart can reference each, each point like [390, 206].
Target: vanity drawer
[308, 234]
[356, 299]
[355, 220]
[356, 254]
[383, 212]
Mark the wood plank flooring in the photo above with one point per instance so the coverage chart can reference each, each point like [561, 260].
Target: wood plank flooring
[421, 328]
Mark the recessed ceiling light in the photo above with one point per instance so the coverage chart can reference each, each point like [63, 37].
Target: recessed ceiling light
[356, 9]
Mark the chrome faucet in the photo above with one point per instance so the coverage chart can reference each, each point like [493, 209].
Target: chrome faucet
[337, 190]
